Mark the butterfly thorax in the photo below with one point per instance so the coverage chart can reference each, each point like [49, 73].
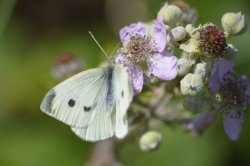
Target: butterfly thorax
[110, 91]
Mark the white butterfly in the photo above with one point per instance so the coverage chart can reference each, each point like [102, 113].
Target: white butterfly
[94, 102]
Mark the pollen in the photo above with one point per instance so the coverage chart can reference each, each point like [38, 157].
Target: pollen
[212, 41]
[138, 48]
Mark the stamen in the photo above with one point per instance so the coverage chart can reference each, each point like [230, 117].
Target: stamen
[138, 49]
[212, 41]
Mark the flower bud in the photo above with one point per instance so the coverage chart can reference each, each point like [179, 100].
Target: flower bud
[66, 65]
[200, 69]
[184, 66]
[189, 28]
[171, 14]
[189, 15]
[192, 84]
[178, 33]
[150, 141]
[234, 23]
[189, 46]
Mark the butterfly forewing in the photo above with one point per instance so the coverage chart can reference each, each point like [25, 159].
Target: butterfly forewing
[76, 101]
[101, 128]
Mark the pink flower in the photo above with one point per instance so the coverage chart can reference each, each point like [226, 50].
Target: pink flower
[139, 47]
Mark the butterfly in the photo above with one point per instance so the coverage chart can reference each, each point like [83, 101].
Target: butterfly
[94, 102]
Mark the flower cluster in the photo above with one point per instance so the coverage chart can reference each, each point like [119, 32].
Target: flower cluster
[202, 75]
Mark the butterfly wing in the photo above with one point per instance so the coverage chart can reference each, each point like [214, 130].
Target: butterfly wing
[101, 128]
[94, 103]
[105, 123]
[123, 95]
[79, 99]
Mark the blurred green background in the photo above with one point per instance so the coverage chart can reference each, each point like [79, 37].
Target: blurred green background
[34, 33]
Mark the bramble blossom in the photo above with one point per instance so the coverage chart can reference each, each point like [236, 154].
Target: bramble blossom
[139, 47]
[234, 96]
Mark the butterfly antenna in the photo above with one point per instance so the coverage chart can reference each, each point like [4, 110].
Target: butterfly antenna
[118, 44]
[93, 37]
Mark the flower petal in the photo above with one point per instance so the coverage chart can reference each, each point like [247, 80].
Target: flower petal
[232, 125]
[247, 93]
[136, 76]
[199, 125]
[119, 59]
[244, 83]
[224, 66]
[214, 83]
[163, 65]
[220, 68]
[159, 37]
[132, 30]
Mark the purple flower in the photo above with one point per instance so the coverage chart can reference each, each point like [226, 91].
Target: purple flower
[139, 47]
[234, 93]
[202, 122]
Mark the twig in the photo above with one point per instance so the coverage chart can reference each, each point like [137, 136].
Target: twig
[104, 154]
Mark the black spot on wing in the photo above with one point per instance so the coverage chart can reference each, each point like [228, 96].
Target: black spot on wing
[122, 93]
[48, 101]
[71, 103]
[86, 108]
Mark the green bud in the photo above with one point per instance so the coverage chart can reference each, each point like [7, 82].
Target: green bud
[234, 23]
[178, 33]
[200, 69]
[150, 141]
[184, 66]
[171, 14]
[192, 84]
[190, 28]
[190, 46]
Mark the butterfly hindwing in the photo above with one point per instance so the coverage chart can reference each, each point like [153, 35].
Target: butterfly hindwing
[123, 95]
[101, 128]
[103, 125]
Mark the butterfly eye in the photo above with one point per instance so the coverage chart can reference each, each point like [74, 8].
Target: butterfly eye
[71, 103]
